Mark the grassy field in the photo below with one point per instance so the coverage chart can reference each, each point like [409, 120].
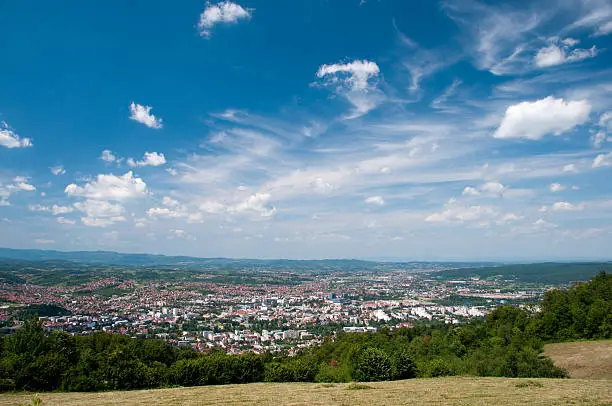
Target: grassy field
[583, 359]
[440, 391]
[589, 363]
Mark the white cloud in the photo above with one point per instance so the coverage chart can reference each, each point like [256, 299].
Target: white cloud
[257, 202]
[44, 241]
[570, 168]
[64, 220]
[565, 206]
[172, 171]
[605, 120]
[24, 186]
[57, 170]
[496, 36]
[143, 115]
[493, 188]
[108, 156]
[534, 120]
[100, 213]
[541, 224]
[556, 187]
[599, 138]
[99, 208]
[170, 202]
[509, 218]
[55, 209]
[356, 81]
[10, 139]
[150, 159]
[440, 101]
[110, 187]
[604, 29]
[462, 214]
[101, 222]
[560, 53]
[602, 160]
[377, 200]
[181, 234]
[222, 12]
[470, 191]
[165, 212]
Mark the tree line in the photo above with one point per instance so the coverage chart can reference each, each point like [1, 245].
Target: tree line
[508, 342]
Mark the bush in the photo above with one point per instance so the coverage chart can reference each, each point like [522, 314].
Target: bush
[438, 367]
[404, 367]
[373, 365]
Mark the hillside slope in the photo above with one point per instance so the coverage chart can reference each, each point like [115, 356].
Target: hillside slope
[440, 391]
[583, 359]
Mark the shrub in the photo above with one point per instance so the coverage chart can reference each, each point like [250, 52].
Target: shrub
[373, 365]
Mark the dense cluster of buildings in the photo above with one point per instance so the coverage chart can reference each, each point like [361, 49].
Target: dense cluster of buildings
[257, 317]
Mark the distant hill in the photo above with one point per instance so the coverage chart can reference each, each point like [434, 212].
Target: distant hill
[548, 272]
[151, 260]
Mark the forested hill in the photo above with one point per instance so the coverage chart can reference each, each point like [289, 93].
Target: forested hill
[549, 272]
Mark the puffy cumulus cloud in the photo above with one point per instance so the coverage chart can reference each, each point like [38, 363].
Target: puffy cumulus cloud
[556, 187]
[57, 170]
[356, 81]
[454, 212]
[534, 120]
[108, 156]
[143, 115]
[565, 206]
[99, 213]
[10, 139]
[487, 188]
[602, 160]
[470, 191]
[258, 203]
[23, 185]
[493, 188]
[561, 52]
[376, 200]
[110, 187]
[222, 12]
[150, 159]
[55, 209]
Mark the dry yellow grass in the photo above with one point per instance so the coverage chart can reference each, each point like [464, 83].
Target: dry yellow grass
[442, 391]
[584, 359]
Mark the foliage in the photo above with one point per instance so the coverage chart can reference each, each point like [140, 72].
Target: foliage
[507, 343]
[373, 365]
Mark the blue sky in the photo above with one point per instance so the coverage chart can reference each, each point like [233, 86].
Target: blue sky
[308, 129]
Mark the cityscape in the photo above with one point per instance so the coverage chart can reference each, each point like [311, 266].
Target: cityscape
[296, 311]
